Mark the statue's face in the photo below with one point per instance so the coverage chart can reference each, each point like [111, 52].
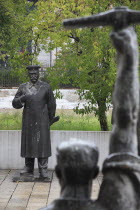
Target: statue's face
[34, 76]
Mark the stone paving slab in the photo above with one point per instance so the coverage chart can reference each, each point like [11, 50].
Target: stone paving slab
[30, 195]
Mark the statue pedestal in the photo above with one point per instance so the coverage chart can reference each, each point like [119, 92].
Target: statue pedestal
[32, 178]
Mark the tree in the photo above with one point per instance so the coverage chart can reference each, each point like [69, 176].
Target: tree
[90, 66]
[17, 32]
[86, 56]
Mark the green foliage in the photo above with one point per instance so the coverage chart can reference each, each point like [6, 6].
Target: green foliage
[16, 34]
[12, 14]
[85, 57]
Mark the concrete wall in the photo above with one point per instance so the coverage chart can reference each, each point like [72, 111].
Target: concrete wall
[69, 100]
[10, 146]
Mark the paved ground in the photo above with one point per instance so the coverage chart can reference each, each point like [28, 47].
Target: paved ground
[30, 195]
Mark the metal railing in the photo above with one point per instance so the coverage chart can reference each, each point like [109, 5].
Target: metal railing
[8, 80]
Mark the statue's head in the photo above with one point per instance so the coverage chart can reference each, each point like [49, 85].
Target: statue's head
[33, 73]
[76, 162]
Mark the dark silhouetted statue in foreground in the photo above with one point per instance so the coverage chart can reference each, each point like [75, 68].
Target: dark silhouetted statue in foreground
[77, 162]
[38, 114]
[76, 167]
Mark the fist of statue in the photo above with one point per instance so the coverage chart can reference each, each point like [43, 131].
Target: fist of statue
[24, 98]
[55, 119]
[124, 40]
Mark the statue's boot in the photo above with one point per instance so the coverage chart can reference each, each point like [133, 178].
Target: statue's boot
[26, 171]
[43, 166]
[29, 167]
[43, 174]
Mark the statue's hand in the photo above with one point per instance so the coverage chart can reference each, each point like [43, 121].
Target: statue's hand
[55, 119]
[125, 41]
[24, 98]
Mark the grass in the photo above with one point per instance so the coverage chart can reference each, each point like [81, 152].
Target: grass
[68, 121]
[10, 121]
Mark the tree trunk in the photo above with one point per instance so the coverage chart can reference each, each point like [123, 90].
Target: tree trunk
[102, 115]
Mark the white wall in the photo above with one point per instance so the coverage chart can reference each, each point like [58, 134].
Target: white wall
[69, 101]
[10, 146]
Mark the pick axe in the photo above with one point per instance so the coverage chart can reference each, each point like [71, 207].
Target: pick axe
[118, 17]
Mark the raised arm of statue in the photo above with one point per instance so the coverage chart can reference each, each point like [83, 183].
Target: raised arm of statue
[120, 188]
[126, 93]
[138, 131]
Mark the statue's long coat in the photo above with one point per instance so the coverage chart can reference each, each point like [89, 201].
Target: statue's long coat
[38, 111]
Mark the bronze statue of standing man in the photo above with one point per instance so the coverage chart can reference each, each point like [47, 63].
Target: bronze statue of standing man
[39, 105]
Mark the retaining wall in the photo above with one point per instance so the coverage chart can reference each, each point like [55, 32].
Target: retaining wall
[10, 146]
